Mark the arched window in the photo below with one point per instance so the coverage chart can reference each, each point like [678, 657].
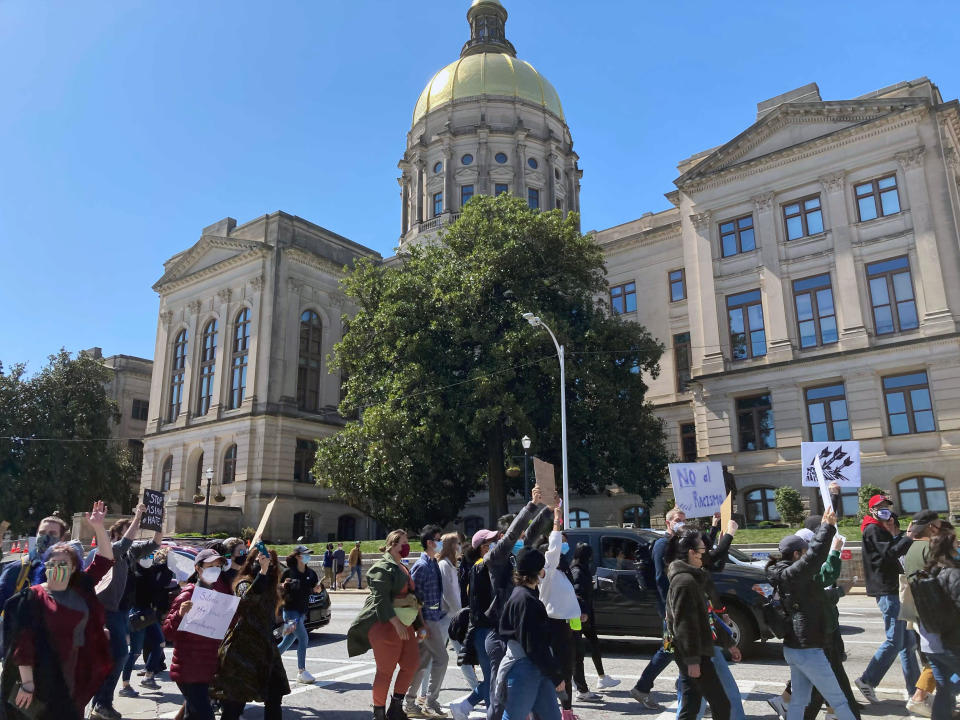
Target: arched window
[922, 493]
[178, 366]
[208, 360]
[166, 474]
[636, 515]
[311, 355]
[199, 476]
[579, 518]
[229, 465]
[760, 505]
[239, 358]
[347, 527]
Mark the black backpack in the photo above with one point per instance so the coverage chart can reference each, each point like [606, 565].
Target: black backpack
[934, 607]
[775, 614]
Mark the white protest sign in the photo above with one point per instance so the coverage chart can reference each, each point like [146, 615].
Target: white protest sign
[698, 488]
[840, 462]
[211, 613]
[822, 482]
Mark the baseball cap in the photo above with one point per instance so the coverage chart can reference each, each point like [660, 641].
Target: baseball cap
[791, 544]
[924, 518]
[805, 534]
[302, 550]
[877, 499]
[206, 555]
[482, 536]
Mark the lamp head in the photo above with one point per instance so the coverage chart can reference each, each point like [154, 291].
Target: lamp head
[525, 441]
[209, 472]
[531, 318]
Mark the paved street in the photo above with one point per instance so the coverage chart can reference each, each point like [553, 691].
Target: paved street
[342, 691]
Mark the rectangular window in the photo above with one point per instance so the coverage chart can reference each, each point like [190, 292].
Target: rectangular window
[533, 198]
[500, 188]
[877, 198]
[755, 423]
[140, 409]
[466, 192]
[891, 294]
[688, 442]
[303, 461]
[736, 236]
[803, 217]
[816, 317]
[827, 413]
[678, 285]
[747, 336]
[623, 298]
[559, 204]
[909, 408]
[681, 360]
[437, 204]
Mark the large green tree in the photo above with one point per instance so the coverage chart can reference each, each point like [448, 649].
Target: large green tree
[55, 451]
[445, 376]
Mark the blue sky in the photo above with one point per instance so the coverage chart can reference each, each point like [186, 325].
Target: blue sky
[126, 127]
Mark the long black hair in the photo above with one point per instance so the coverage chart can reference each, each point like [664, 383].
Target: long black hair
[582, 555]
[689, 540]
[942, 552]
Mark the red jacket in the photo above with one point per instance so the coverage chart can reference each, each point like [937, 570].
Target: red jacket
[194, 656]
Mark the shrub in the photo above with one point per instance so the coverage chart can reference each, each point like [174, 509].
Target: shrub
[867, 492]
[789, 504]
[247, 533]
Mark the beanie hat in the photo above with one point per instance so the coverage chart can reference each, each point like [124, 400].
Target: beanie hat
[530, 561]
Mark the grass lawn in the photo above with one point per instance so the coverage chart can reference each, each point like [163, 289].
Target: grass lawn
[773, 535]
[368, 547]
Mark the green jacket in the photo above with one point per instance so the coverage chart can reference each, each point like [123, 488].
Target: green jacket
[385, 579]
[827, 576]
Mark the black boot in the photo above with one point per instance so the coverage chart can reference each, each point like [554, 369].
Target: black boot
[396, 709]
[379, 712]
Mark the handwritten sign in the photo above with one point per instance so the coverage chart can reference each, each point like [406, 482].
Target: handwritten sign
[546, 481]
[839, 462]
[211, 613]
[698, 488]
[153, 517]
[263, 522]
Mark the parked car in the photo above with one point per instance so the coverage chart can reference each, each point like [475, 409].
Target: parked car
[625, 601]
[318, 613]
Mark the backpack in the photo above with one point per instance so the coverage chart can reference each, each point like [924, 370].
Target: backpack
[935, 608]
[775, 613]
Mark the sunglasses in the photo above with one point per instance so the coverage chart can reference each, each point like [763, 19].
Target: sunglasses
[54, 564]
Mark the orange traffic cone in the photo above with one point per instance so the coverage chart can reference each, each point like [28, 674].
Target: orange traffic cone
[94, 543]
[16, 547]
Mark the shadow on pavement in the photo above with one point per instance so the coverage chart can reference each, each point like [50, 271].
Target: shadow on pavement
[319, 638]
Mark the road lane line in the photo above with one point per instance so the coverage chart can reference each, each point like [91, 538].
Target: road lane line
[349, 676]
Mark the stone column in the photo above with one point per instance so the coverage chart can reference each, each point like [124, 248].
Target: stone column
[483, 162]
[448, 186]
[221, 366]
[929, 280]
[419, 189]
[519, 176]
[771, 283]
[853, 333]
[706, 353]
[550, 190]
[404, 200]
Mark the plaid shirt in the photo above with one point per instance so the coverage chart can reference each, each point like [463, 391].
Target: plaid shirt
[428, 586]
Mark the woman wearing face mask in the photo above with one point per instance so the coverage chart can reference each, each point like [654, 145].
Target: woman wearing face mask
[583, 584]
[236, 550]
[297, 583]
[389, 624]
[150, 582]
[452, 602]
[250, 666]
[195, 656]
[529, 675]
[48, 626]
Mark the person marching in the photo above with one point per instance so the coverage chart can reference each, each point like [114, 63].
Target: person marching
[30, 570]
[582, 574]
[250, 668]
[151, 580]
[236, 551]
[339, 561]
[355, 561]
[389, 624]
[452, 599]
[296, 584]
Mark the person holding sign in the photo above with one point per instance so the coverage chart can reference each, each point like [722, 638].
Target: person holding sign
[195, 657]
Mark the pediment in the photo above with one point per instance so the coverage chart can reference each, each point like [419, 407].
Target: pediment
[792, 125]
[210, 254]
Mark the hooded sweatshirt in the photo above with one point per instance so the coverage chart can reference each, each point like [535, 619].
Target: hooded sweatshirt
[687, 615]
[881, 557]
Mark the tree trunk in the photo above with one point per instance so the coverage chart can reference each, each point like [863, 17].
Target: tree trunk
[495, 475]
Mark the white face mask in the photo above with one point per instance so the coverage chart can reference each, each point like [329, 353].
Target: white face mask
[210, 575]
[146, 563]
[678, 526]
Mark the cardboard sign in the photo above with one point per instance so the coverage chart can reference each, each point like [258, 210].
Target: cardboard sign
[546, 481]
[698, 488]
[3, 528]
[153, 518]
[839, 462]
[726, 513]
[263, 522]
[211, 613]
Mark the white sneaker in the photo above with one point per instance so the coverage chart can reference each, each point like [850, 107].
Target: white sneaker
[305, 678]
[922, 708]
[866, 690]
[606, 681]
[589, 697]
[779, 706]
[460, 709]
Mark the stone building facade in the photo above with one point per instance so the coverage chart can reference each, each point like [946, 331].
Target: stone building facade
[806, 284]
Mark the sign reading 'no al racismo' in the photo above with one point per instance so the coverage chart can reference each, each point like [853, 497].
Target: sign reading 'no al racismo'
[698, 488]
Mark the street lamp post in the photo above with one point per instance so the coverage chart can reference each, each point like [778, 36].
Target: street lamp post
[537, 322]
[206, 510]
[525, 441]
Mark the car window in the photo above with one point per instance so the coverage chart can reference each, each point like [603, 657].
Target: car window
[619, 553]
[742, 557]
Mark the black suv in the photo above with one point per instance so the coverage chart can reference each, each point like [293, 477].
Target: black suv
[625, 601]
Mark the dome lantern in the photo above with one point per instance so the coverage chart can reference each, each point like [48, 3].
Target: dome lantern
[487, 19]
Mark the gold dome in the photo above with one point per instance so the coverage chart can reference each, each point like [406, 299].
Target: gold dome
[487, 73]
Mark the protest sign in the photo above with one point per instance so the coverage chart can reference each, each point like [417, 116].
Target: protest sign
[698, 488]
[263, 522]
[211, 613]
[840, 462]
[726, 513]
[546, 481]
[822, 482]
[153, 517]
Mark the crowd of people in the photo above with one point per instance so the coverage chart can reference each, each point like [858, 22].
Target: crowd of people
[515, 604]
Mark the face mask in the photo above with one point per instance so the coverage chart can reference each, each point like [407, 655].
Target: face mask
[405, 550]
[210, 575]
[678, 526]
[439, 547]
[306, 558]
[565, 548]
[239, 560]
[884, 514]
[517, 546]
[44, 542]
[146, 562]
[59, 575]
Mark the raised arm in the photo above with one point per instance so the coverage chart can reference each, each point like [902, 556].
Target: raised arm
[95, 518]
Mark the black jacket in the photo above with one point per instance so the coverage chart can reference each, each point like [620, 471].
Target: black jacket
[151, 588]
[881, 558]
[500, 561]
[949, 579]
[687, 616]
[583, 587]
[804, 599]
[524, 619]
[480, 595]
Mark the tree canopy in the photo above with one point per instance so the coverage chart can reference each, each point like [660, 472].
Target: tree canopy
[55, 452]
[444, 376]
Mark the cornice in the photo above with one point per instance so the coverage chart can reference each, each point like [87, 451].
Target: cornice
[910, 159]
[316, 262]
[169, 282]
[643, 237]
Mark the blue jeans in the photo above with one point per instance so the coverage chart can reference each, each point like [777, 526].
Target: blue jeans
[118, 624]
[809, 667]
[898, 640]
[729, 684]
[658, 663]
[299, 634]
[945, 666]
[355, 570]
[197, 697]
[138, 638]
[529, 691]
[482, 691]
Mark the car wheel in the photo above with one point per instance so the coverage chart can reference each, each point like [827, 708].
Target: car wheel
[744, 629]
